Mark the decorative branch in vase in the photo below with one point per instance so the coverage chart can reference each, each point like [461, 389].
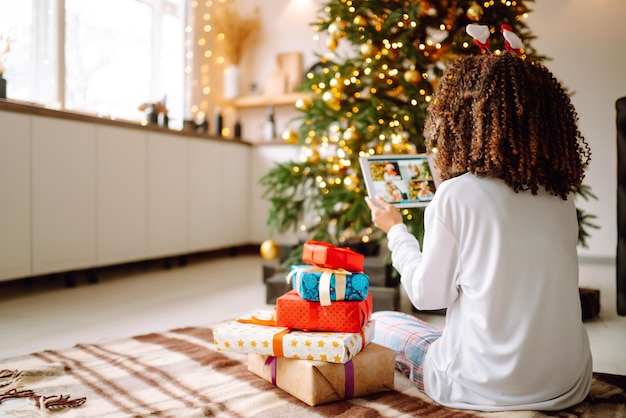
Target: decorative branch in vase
[234, 30]
[5, 48]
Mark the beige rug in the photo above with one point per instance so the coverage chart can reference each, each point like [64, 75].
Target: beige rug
[180, 374]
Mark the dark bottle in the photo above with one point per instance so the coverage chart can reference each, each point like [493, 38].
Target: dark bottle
[165, 119]
[219, 122]
[237, 130]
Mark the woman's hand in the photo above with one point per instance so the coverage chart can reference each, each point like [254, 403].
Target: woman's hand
[384, 215]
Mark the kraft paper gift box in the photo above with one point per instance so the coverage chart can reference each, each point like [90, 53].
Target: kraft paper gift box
[317, 382]
[326, 255]
[246, 337]
[294, 312]
[324, 285]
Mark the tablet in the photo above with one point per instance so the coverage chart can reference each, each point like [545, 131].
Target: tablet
[404, 180]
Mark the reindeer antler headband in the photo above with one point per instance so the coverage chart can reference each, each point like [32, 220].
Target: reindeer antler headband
[481, 34]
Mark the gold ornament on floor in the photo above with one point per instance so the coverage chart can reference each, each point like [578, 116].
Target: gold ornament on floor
[269, 249]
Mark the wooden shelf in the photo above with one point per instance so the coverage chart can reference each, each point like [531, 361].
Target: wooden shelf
[288, 99]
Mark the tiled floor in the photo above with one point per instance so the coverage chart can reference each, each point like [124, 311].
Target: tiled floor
[44, 314]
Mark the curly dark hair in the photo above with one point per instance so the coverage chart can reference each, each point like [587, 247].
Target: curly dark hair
[506, 117]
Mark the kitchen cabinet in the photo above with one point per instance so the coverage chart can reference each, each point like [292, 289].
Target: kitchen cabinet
[15, 199]
[63, 195]
[121, 195]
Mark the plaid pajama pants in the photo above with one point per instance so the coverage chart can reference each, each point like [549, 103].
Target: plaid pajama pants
[409, 337]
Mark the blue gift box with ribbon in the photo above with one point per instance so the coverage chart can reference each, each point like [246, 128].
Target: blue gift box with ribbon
[318, 284]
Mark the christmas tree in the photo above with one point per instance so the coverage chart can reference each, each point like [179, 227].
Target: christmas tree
[372, 100]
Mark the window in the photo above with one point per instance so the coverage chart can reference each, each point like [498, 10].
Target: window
[115, 55]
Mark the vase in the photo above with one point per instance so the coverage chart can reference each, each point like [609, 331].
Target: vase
[232, 74]
[3, 87]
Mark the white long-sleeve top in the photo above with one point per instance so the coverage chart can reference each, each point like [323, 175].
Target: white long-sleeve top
[505, 266]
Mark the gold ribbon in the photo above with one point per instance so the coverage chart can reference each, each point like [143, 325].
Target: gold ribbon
[324, 282]
[270, 322]
[277, 339]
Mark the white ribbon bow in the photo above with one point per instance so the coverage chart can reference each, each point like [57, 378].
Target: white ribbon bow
[324, 284]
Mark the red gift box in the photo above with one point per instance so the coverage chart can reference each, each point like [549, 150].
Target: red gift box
[296, 313]
[326, 255]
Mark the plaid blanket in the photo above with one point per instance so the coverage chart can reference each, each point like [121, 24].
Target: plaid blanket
[180, 374]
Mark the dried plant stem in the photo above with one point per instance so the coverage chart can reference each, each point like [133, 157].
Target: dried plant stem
[236, 29]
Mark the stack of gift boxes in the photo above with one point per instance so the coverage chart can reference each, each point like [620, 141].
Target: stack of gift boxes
[317, 343]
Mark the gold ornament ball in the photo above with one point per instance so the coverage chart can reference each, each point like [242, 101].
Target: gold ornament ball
[474, 12]
[351, 182]
[337, 83]
[290, 136]
[330, 99]
[412, 76]
[313, 156]
[304, 104]
[367, 49]
[269, 250]
[359, 20]
[397, 91]
[331, 43]
[351, 134]
[336, 29]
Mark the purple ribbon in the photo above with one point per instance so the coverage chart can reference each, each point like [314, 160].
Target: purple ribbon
[349, 369]
[271, 361]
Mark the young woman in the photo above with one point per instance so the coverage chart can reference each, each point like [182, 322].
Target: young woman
[499, 249]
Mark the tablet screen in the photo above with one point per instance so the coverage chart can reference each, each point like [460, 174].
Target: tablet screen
[405, 180]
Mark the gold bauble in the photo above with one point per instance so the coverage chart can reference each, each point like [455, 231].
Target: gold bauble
[367, 49]
[397, 91]
[350, 134]
[359, 20]
[290, 136]
[336, 29]
[331, 100]
[331, 43]
[474, 12]
[312, 156]
[337, 83]
[304, 104]
[412, 76]
[269, 250]
[351, 182]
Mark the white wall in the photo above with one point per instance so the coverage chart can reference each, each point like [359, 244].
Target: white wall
[585, 40]
[285, 28]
